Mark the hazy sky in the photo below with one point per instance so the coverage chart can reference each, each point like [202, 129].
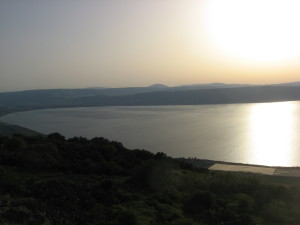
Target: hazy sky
[113, 43]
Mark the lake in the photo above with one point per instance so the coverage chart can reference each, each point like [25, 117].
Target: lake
[261, 133]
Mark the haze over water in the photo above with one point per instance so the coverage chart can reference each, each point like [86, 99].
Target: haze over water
[262, 133]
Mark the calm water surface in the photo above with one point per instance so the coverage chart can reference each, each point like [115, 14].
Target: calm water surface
[263, 133]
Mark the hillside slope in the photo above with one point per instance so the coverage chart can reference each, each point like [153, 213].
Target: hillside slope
[51, 180]
[9, 130]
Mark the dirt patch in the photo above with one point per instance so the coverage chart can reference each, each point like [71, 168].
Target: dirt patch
[287, 172]
[243, 168]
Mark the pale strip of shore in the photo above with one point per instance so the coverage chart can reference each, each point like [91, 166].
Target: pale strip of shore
[272, 171]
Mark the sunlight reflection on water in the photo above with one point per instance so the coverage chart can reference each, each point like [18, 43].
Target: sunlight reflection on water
[272, 130]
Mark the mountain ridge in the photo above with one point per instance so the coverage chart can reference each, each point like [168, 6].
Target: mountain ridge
[58, 98]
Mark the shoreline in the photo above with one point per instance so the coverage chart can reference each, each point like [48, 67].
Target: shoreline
[212, 165]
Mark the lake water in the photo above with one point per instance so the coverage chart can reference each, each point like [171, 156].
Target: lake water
[263, 133]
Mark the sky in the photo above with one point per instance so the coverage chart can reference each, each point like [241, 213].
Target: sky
[116, 43]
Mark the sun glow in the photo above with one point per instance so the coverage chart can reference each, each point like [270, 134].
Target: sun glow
[254, 31]
[271, 133]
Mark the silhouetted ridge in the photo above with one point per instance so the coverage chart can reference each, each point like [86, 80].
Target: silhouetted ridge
[198, 97]
[158, 86]
[58, 98]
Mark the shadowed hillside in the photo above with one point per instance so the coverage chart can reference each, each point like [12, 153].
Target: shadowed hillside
[198, 97]
[9, 130]
[38, 99]
[50, 180]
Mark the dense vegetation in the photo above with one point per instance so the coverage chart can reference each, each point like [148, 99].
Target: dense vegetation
[53, 180]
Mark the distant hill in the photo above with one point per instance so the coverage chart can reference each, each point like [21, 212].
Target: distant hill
[47, 97]
[157, 94]
[288, 84]
[57, 97]
[158, 86]
[209, 86]
[198, 97]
